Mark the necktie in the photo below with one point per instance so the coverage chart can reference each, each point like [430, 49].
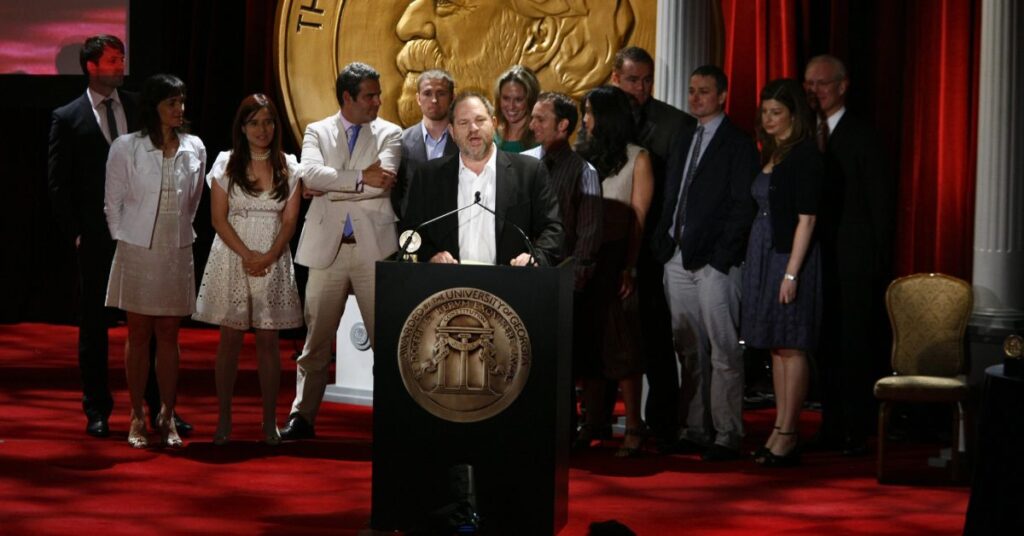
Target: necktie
[353, 135]
[690, 172]
[821, 135]
[111, 120]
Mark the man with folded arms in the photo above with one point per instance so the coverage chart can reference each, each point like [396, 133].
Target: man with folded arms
[349, 159]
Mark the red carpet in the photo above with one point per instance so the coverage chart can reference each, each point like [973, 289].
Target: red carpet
[56, 480]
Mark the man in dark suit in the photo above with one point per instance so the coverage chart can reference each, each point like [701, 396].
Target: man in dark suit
[514, 186]
[702, 238]
[80, 136]
[658, 124]
[429, 138]
[856, 229]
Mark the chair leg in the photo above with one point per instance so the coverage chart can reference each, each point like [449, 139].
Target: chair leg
[883, 417]
[958, 412]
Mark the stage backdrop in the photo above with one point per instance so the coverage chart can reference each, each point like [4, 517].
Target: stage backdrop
[913, 66]
[570, 45]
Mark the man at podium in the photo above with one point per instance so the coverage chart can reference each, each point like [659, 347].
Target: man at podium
[483, 205]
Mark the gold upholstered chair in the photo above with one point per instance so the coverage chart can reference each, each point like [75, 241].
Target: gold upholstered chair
[929, 314]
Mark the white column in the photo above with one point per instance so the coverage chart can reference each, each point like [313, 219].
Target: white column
[689, 35]
[999, 203]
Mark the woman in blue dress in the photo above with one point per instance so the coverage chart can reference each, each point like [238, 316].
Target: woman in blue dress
[781, 308]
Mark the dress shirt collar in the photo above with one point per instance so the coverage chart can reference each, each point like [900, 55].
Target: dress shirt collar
[712, 125]
[435, 148]
[489, 167]
[96, 99]
[346, 124]
[833, 120]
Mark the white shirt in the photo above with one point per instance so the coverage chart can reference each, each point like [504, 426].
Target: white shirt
[476, 226]
[99, 111]
[833, 120]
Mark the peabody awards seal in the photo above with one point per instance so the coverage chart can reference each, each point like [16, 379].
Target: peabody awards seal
[570, 44]
[464, 355]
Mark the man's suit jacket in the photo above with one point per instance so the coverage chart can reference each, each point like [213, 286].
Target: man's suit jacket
[414, 154]
[523, 197]
[661, 124]
[719, 206]
[327, 166]
[77, 165]
[860, 197]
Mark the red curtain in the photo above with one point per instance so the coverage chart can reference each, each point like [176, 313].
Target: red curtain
[760, 45]
[913, 68]
[937, 164]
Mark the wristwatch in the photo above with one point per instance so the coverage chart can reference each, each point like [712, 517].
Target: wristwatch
[790, 277]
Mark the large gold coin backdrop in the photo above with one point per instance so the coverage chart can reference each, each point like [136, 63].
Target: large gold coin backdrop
[570, 44]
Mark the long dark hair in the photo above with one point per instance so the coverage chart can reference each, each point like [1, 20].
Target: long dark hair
[614, 128]
[155, 89]
[238, 164]
[790, 94]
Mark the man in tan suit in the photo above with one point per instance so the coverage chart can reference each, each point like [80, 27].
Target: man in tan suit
[349, 161]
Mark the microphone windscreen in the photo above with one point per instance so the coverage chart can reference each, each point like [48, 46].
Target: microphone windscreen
[476, 197]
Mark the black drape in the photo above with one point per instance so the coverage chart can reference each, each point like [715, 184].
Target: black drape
[222, 50]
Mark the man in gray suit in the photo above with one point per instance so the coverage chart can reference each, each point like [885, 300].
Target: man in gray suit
[658, 124]
[429, 138]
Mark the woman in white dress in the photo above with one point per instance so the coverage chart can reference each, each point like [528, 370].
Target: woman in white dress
[627, 185]
[249, 282]
[153, 187]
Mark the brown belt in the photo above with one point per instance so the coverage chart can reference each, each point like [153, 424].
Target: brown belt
[351, 239]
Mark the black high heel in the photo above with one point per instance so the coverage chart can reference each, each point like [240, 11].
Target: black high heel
[643, 432]
[789, 459]
[762, 451]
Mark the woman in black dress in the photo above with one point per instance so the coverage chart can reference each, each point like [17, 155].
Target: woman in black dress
[782, 276]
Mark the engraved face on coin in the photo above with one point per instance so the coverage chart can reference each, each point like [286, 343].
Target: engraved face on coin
[570, 44]
[464, 355]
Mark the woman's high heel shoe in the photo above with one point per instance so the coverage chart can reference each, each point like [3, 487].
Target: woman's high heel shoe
[789, 459]
[168, 432]
[763, 450]
[643, 432]
[271, 435]
[137, 433]
[223, 434]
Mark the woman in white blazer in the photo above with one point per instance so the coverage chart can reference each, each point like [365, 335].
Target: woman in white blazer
[153, 187]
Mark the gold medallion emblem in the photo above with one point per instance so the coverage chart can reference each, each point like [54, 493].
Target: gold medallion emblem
[464, 355]
[1013, 346]
[570, 44]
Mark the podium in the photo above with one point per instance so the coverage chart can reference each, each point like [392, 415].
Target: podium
[518, 444]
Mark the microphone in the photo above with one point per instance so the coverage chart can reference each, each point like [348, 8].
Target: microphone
[413, 235]
[526, 239]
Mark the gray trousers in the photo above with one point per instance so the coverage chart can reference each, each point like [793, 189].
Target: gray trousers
[705, 309]
[326, 292]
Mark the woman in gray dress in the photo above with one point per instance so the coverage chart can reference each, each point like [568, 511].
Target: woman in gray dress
[153, 187]
[781, 308]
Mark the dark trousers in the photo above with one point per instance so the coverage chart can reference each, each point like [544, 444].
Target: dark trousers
[855, 341]
[94, 258]
[662, 410]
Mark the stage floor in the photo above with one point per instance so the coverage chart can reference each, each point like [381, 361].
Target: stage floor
[56, 480]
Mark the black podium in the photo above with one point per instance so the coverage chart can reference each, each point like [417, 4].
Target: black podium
[519, 455]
